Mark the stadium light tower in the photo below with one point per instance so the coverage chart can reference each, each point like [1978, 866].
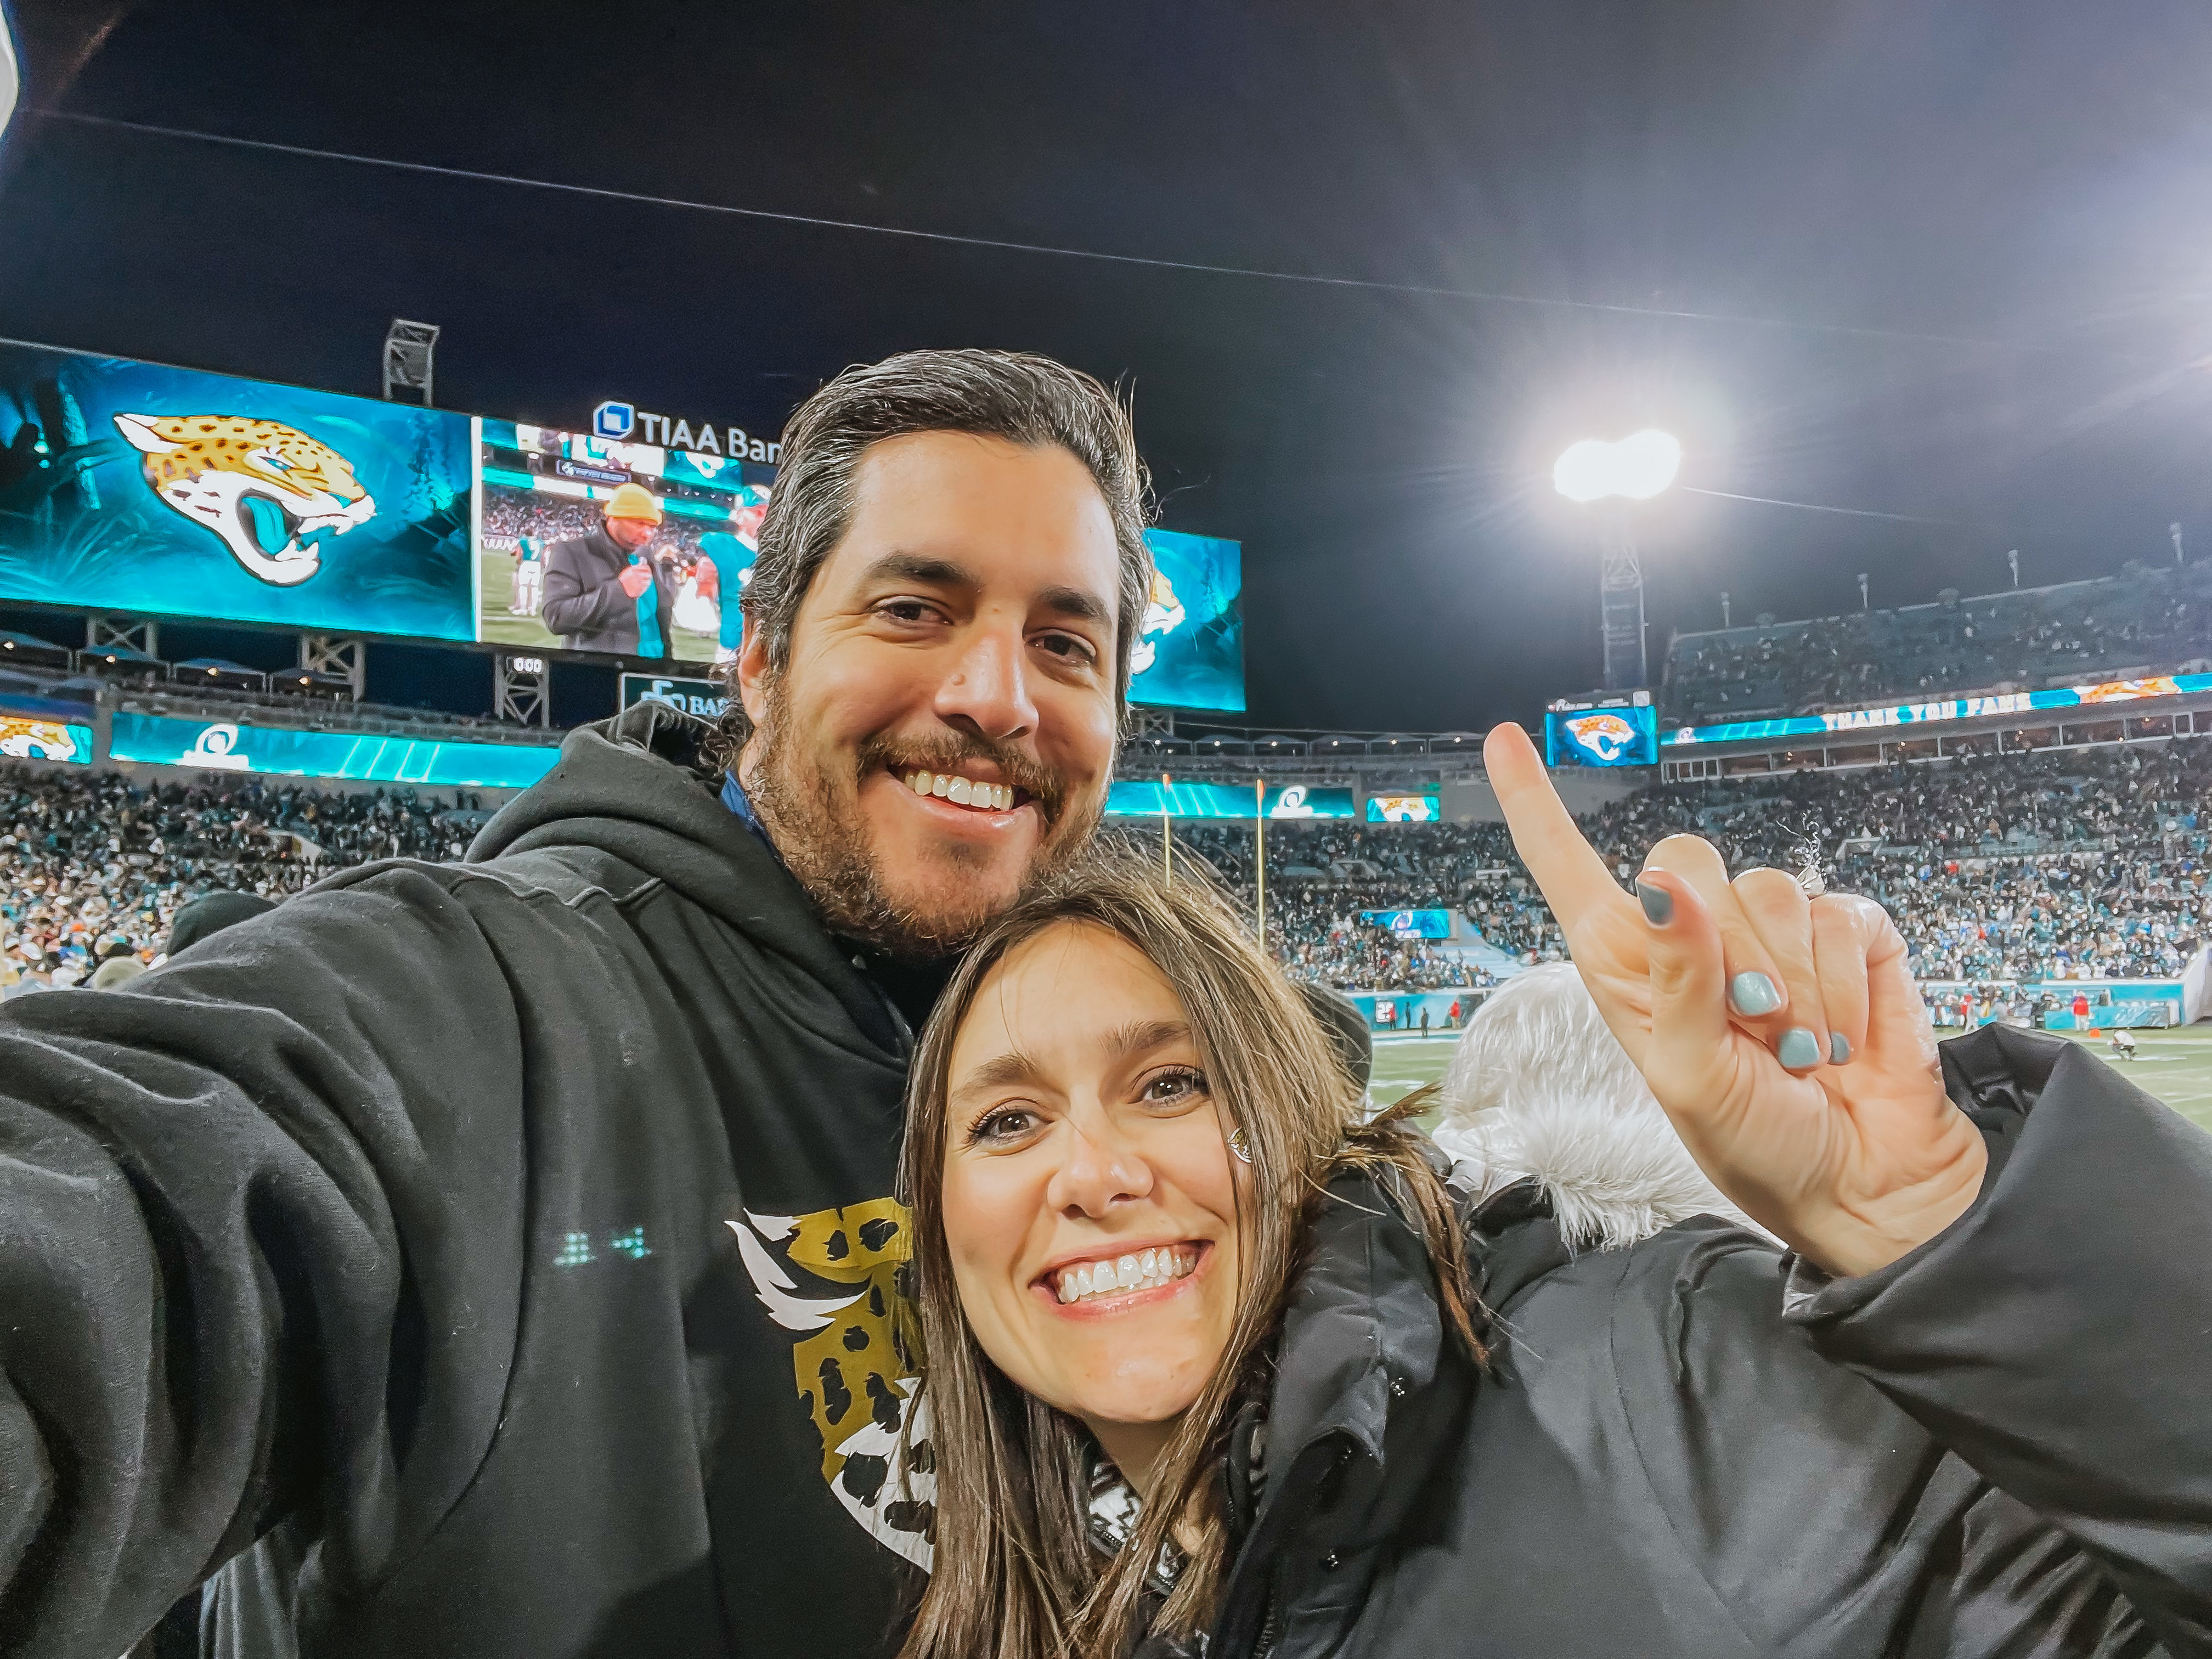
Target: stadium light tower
[1635, 469]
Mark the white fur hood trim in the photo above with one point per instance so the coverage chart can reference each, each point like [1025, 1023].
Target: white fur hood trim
[1539, 1087]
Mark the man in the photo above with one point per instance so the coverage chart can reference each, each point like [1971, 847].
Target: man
[527, 588]
[607, 591]
[513, 1242]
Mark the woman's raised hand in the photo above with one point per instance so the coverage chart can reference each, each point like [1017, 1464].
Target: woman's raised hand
[1783, 1036]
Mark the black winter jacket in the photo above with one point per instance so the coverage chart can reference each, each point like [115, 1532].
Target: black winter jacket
[1693, 1446]
[516, 1237]
[584, 603]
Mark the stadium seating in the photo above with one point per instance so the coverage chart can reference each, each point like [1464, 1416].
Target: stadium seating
[2083, 863]
[2000, 869]
[2143, 621]
[92, 864]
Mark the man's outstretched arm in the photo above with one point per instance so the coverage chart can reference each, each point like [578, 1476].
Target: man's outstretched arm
[252, 1216]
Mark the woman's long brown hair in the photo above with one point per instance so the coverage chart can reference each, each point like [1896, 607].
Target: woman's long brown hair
[1015, 1576]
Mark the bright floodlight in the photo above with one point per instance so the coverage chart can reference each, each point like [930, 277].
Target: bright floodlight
[1638, 467]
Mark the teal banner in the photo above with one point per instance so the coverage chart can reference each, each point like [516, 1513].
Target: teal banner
[1848, 721]
[235, 746]
[1225, 800]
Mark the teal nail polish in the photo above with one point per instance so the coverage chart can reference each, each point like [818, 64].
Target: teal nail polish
[1799, 1049]
[1658, 905]
[1839, 1048]
[1752, 994]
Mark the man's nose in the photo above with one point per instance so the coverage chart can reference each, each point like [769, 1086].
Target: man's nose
[1101, 1169]
[987, 689]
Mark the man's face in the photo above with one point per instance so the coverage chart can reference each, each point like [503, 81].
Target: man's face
[945, 729]
[630, 533]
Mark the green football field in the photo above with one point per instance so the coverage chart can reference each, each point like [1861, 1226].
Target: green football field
[2176, 1066]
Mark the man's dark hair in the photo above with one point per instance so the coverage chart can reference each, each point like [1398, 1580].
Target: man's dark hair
[1021, 397]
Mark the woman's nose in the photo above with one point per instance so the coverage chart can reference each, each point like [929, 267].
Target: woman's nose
[1101, 1171]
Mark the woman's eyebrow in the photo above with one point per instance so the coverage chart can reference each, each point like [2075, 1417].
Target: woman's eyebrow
[1141, 1035]
[1005, 1071]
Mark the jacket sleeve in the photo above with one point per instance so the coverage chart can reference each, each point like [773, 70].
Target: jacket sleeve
[2058, 1336]
[261, 1246]
[571, 604]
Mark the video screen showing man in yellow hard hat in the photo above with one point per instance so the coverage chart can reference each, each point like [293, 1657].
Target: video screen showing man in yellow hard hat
[611, 589]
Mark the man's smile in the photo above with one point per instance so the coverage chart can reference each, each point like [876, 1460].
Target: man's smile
[978, 794]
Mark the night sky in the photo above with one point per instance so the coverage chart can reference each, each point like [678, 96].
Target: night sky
[1948, 262]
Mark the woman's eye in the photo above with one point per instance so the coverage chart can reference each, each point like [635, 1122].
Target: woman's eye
[1006, 1124]
[1170, 1088]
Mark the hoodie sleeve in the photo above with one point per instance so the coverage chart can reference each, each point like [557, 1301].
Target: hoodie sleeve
[261, 1241]
[2058, 1336]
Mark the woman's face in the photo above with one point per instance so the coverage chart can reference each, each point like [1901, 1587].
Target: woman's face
[1090, 1199]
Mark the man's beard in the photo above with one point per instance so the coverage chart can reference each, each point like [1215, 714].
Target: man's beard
[822, 838]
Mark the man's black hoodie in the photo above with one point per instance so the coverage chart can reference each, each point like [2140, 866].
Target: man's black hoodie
[514, 1237]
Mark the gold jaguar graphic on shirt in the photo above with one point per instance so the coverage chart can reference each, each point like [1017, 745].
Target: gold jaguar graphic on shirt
[857, 1362]
[269, 492]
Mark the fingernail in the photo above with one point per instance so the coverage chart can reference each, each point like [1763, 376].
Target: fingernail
[1799, 1049]
[1752, 994]
[1839, 1048]
[1658, 905]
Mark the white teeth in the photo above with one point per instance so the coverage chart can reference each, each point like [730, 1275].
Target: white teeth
[1154, 1268]
[962, 792]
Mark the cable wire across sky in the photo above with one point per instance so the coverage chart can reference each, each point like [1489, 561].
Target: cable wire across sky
[432, 169]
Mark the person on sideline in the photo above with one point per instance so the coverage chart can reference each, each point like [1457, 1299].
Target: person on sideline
[609, 590]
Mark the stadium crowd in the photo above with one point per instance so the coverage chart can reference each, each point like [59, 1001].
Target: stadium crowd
[2079, 864]
[2001, 870]
[95, 866]
[2019, 640]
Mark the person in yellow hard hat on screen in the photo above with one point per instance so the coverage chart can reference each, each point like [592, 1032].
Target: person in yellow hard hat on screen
[611, 589]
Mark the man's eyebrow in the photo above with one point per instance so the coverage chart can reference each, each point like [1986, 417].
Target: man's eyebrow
[1077, 605]
[920, 568]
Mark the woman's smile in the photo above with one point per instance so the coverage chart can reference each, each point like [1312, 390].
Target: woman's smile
[1108, 1283]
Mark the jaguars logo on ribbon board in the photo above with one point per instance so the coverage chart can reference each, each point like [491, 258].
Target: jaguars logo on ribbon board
[857, 1362]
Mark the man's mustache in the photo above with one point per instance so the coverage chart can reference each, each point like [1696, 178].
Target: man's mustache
[901, 757]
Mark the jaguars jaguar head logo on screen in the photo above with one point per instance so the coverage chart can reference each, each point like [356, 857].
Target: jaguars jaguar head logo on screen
[1605, 737]
[271, 492]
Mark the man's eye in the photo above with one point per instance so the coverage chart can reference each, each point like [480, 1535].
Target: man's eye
[1066, 645]
[905, 611]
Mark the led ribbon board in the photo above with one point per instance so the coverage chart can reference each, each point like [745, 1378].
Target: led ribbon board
[1224, 800]
[235, 746]
[1845, 721]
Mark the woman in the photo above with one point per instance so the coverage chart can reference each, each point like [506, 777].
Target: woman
[1214, 1367]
